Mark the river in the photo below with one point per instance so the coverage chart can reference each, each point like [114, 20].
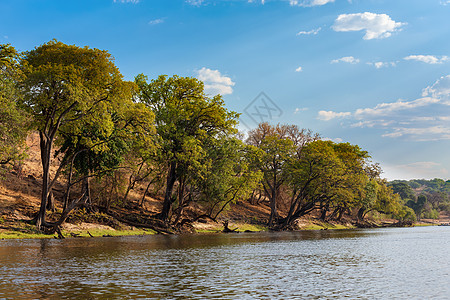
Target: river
[391, 263]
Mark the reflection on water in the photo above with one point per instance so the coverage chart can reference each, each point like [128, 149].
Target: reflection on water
[405, 263]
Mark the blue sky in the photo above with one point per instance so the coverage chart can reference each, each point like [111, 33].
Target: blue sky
[370, 72]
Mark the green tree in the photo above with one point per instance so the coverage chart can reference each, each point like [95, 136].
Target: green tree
[326, 175]
[227, 176]
[275, 150]
[63, 84]
[92, 151]
[13, 120]
[404, 190]
[186, 119]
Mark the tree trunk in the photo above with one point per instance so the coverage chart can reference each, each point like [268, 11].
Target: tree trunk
[323, 215]
[273, 207]
[46, 147]
[50, 202]
[167, 205]
[361, 214]
[341, 213]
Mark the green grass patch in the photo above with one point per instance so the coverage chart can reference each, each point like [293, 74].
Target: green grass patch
[10, 234]
[250, 227]
[425, 224]
[323, 225]
[107, 232]
[240, 228]
[29, 232]
[209, 230]
[312, 227]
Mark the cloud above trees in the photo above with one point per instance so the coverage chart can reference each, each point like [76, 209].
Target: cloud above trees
[308, 3]
[376, 26]
[424, 119]
[428, 59]
[215, 82]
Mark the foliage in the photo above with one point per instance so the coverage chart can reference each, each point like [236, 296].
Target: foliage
[186, 122]
[276, 147]
[406, 213]
[63, 86]
[404, 190]
[227, 176]
[326, 174]
[13, 120]
[426, 197]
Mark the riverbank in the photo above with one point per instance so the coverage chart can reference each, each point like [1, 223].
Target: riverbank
[23, 230]
[20, 199]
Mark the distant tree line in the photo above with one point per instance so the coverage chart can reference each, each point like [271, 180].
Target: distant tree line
[167, 135]
[428, 198]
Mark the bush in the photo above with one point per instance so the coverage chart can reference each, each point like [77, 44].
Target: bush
[406, 213]
[431, 214]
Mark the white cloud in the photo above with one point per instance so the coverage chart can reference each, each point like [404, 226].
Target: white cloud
[194, 2]
[440, 89]
[421, 134]
[429, 59]
[416, 170]
[215, 82]
[299, 69]
[383, 109]
[329, 115]
[346, 59]
[312, 31]
[336, 140]
[156, 21]
[382, 64]
[423, 119]
[377, 26]
[445, 2]
[127, 1]
[308, 3]
[298, 109]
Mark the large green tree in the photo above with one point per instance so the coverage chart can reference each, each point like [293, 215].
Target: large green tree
[325, 175]
[64, 84]
[186, 119]
[277, 147]
[13, 120]
[275, 150]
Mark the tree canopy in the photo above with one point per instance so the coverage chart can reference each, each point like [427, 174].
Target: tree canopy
[187, 122]
[64, 85]
[13, 120]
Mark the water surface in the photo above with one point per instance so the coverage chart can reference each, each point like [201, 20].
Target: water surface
[397, 263]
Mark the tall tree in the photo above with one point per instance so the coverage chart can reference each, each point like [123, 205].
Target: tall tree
[13, 120]
[185, 118]
[326, 174]
[275, 150]
[63, 84]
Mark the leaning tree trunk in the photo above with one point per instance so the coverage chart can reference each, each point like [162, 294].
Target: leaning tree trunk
[323, 215]
[361, 214]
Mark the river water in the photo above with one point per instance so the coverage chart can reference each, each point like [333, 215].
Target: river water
[394, 263]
